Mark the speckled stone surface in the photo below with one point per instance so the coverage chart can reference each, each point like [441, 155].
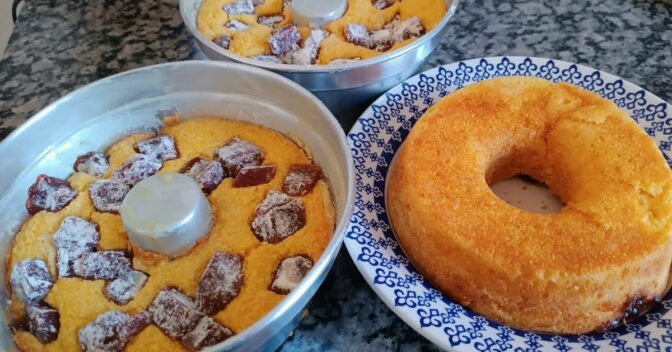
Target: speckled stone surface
[58, 46]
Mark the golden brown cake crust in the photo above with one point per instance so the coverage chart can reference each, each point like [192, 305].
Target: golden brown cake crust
[253, 41]
[80, 301]
[569, 272]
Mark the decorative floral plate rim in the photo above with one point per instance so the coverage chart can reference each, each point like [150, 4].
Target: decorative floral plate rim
[374, 139]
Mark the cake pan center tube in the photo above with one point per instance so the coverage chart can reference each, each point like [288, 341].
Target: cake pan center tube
[166, 213]
[316, 13]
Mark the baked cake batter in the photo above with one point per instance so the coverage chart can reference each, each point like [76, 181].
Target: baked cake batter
[263, 29]
[601, 260]
[79, 301]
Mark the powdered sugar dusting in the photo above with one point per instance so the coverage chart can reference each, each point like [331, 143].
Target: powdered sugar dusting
[410, 28]
[301, 179]
[273, 199]
[381, 39]
[357, 34]
[92, 163]
[161, 147]
[107, 195]
[102, 333]
[136, 169]
[174, 313]
[50, 194]
[278, 217]
[111, 331]
[135, 325]
[206, 333]
[236, 25]
[43, 322]
[382, 4]
[311, 46]
[270, 20]
[208, 173]
[74, 237]
[125, 287]
[220, 282]
[290, 272]
[294, 182]
[223, 40]
[239, 7]
[237, 154]
[395, 31]
[105, 265]
[30, 280]
[284, 40]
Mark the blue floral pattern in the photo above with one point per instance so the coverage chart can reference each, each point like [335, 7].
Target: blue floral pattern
[378, 134]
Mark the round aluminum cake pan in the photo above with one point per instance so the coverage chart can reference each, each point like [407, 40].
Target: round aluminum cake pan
[97, 115]
[345, 89]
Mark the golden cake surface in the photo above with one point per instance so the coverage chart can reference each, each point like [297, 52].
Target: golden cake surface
[250, 36]
[80, 301]
[607, 250]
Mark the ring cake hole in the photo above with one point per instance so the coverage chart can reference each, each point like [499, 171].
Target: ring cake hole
[518, 178]
[526, 193]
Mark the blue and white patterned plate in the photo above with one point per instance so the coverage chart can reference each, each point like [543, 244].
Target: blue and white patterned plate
[375, 138]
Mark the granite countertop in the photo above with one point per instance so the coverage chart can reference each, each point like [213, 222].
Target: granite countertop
[58, 46]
